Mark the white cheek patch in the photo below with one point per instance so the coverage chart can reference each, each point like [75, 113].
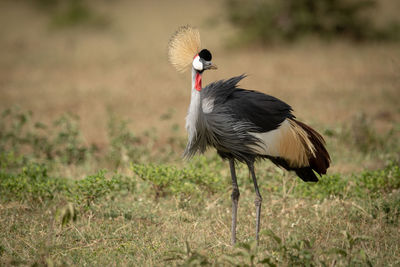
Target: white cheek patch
[197, 65]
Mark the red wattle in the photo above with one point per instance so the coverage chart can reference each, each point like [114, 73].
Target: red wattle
[198, 82]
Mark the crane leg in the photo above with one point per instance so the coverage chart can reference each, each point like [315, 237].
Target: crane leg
[235, 200]
[257, 201]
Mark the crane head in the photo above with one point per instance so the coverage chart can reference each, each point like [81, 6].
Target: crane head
[184, 50]
[202, 61]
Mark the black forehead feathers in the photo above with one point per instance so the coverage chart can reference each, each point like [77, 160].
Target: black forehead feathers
[205, 54]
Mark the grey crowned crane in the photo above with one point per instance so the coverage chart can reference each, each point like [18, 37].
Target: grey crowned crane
[243, 125]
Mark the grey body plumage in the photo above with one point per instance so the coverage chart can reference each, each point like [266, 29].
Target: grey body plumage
[220, 127]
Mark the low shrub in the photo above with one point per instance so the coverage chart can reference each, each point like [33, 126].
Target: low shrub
[269, 21]
[32, 183]
[167, 180]
[22, 139]
[93, 187]
[367, 184]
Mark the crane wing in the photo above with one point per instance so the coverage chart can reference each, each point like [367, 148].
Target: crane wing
[264, 111]
[245, 124]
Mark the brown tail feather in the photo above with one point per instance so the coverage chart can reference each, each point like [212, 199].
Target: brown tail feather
[320, 161]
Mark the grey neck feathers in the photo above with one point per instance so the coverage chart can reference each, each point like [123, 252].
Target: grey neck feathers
[194, 109]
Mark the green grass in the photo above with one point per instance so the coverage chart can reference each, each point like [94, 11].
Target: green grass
[65, 202]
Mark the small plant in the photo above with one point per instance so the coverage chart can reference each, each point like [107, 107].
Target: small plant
[125, 146]
[67, 144]
[327, 186]
[292, 252]
[188, 257]
[245, 255]
[389, 207]
[295, 251]
[12, 125]
[32, 183]
[349, 255]
[380, 181]
[93, 187]
[22, 139]
[67, 214]
[367, 183]
[166, 179]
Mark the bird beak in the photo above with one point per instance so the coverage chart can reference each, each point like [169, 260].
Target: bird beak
[212, 67]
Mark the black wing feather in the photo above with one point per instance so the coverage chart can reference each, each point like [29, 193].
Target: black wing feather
[264, 111]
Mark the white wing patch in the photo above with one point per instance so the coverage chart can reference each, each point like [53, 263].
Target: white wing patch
[288, 141]
[207, 105]
[270, 142]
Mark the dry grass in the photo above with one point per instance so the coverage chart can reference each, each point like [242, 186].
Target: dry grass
[134, 230]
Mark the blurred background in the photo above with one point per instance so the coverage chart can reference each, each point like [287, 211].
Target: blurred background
[336, 62]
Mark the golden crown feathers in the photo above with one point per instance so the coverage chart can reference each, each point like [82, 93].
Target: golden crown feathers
[183, 46]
